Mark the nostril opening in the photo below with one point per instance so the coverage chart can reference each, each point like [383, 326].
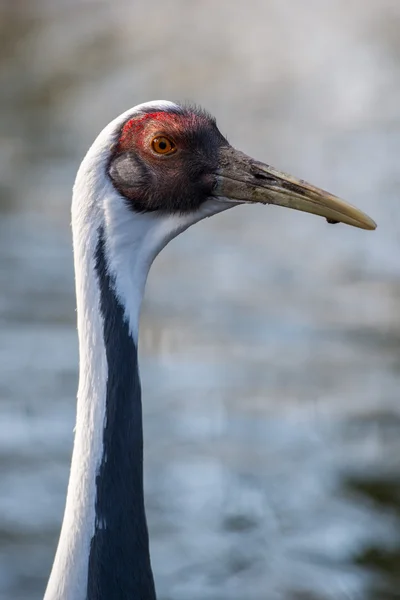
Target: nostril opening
[264, 177]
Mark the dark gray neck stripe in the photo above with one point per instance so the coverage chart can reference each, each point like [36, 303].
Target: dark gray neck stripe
[119, 561]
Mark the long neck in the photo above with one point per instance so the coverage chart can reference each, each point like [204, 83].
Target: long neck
[103, 551]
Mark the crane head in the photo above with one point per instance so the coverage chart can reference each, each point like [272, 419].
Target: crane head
[173, 160]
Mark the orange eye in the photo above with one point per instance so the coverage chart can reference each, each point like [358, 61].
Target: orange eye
[163, 145]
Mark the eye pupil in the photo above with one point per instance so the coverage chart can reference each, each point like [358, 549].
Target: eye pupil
[162, 145]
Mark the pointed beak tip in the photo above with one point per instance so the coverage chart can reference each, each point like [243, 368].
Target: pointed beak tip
[367, 223]
[371, 226]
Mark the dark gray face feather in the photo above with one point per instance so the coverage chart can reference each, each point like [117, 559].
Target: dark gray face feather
[179, 183]
[119, 560]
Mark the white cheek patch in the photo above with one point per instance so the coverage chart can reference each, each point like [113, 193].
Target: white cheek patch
[133, 240]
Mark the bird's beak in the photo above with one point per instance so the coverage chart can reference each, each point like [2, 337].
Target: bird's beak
[242, 179]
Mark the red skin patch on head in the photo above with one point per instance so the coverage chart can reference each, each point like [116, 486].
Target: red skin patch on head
[135, 130]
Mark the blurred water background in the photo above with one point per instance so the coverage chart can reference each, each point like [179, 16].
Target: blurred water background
[270, 340]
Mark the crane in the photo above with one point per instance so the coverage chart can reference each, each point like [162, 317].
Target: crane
[151, 173]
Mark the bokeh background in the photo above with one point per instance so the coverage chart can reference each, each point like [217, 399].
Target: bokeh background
[270, 340]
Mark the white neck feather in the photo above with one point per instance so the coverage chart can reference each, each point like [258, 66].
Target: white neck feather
[132, 242]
